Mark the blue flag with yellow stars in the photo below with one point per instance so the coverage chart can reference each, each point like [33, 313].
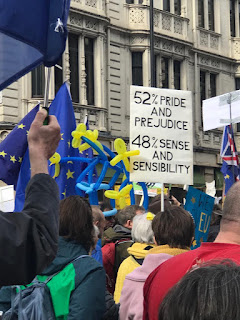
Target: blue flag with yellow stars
[200, 205]
[13, 148]
[62, 108]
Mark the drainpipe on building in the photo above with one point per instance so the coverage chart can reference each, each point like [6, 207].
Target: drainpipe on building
[108, 71]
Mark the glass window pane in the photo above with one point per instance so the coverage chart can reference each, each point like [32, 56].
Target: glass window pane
[166, 5]
[38, 82]
[165, 72]
[201, 13]
[177, 7]
[89, 69]
[177, 74]
[137, 76]
[130, 1]
[202, 85]
[74, 66]
[232, 18]
[213, 85]
[211, 15]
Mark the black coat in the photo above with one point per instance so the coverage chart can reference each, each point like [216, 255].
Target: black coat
[28, 239]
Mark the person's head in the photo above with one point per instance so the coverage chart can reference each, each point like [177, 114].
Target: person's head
[209, 292]
[174, 226]
[125, 216]
[138, 209]
[76, 221]
[231, 208]
[110, 220]
[155, 204]
[98, 219]
[142, 229]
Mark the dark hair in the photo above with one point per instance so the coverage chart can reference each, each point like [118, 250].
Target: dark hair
[104, 206]
[76, 221]
[209, 292]
[174, 226]
[128, 213]
[155, 204]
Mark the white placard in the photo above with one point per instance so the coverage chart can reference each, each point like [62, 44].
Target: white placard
[161, 128]
[7, 198]
[216, 111]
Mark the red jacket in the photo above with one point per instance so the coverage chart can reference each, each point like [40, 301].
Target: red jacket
[170, 272]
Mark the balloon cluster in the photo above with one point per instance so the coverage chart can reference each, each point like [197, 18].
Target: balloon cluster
[84, 139]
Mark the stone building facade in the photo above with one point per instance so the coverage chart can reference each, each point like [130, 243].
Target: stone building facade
[197, 48]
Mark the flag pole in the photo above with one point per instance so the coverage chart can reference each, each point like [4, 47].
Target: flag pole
[46, 93]
[230, 111]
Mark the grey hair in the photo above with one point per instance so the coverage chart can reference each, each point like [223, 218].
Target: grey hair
[96, 231]
[142, 229]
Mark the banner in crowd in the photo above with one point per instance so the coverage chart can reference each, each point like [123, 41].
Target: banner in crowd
[216, 110]
[200, 205]
[161, 128]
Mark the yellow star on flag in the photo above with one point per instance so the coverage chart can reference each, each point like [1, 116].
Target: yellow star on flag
[3, 154]
[13, 159]
[62, 136]
[194, 243]
[70, 174]
[193, 200]
[227, 176]
[64, 193]
[69, 144]
[21, 126]
[70, 161]
[20, 159]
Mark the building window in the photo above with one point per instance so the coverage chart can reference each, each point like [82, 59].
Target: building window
[58, 75]
[89, 69]
[177, 74]
[211, 15]
[201, 13]
[74, 66]
[213, 85]
[165, 72]
[130, 1]
[177, 7]
[137, 72]
[232, 18]
[38, 82]
[202, 85]
[166, 5]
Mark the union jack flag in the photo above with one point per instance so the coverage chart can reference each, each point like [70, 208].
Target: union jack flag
[230, 166]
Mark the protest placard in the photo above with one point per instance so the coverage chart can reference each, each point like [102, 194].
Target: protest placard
[161, 128]
[217, 113]
[7, 198]
[200, 205]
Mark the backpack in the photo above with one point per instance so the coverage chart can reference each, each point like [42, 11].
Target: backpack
[113, 254]
[36, 301]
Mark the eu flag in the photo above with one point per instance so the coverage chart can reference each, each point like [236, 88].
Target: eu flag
[13, 148]
[230, 166]
[62, 108]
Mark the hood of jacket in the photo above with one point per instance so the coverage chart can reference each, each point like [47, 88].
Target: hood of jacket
[168, 250]
[116, 233]
[140, 250]
[151, 262]
[67, 252]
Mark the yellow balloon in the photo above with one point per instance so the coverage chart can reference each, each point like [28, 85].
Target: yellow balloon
[120, 146]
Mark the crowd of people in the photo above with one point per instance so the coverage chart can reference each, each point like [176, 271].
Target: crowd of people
[134, 265]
